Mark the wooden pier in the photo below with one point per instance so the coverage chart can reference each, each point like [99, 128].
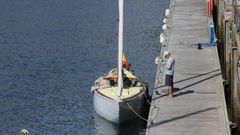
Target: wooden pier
[198, 107]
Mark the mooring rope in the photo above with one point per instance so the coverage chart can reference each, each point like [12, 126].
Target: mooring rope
[146, 98]
[136, 112]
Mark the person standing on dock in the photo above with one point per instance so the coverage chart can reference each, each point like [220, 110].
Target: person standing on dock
[169, 71]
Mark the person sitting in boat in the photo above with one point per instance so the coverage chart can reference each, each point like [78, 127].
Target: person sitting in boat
[125, 64]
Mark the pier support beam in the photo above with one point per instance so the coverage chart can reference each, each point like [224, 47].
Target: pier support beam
[227, 20]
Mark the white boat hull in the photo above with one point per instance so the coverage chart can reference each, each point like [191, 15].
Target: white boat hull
[118, 112]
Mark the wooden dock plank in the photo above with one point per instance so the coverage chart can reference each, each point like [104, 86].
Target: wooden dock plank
[199, 106]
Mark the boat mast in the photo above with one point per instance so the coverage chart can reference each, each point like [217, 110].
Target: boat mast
[120, 48]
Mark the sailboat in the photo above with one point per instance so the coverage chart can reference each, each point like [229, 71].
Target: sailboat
[119, 96]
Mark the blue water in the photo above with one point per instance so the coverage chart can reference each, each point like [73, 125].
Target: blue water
[51, 51]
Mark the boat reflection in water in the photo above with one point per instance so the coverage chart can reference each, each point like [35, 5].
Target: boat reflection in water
[104, 127]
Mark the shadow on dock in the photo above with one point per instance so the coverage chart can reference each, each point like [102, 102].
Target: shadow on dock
[181, 117]
[177, 90]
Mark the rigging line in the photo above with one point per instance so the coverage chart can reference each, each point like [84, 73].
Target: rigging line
[136, 112]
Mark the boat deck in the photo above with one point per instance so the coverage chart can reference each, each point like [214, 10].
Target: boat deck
[198, 107]
[126, 93]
